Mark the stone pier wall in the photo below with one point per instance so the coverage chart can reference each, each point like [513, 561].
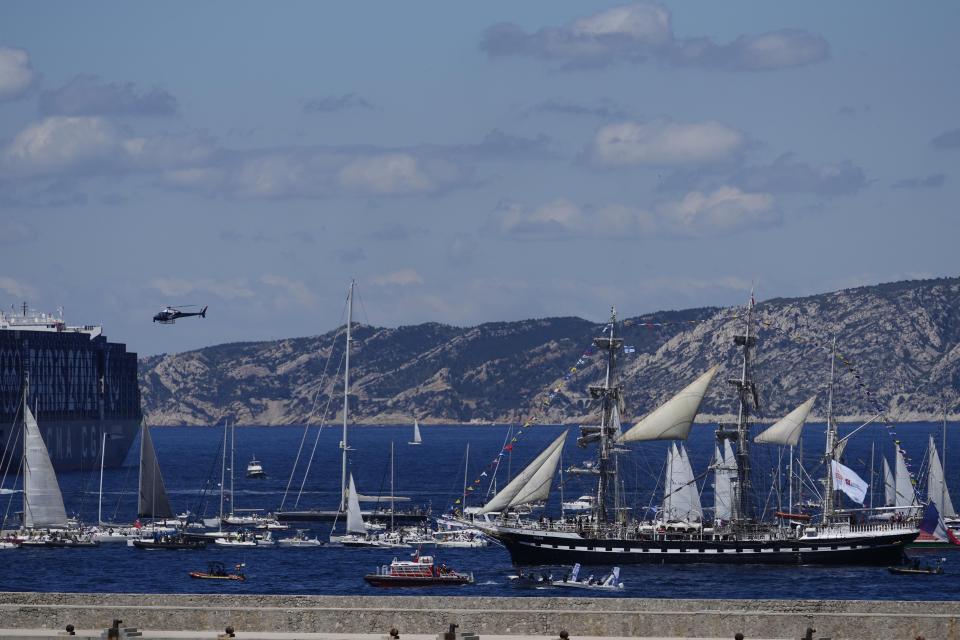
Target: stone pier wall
[613, 617]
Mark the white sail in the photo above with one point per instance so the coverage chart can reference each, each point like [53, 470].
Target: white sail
[354, 517]
[889, 486]
[672, 420]
[42, 500]
[615, 422]
[502, 500]
[416, 432]
[905, 494]
[153, 502]
[786, 431]
[725, 469]
[690, 486]
[538, 487]
[681, 500]
[937, 490]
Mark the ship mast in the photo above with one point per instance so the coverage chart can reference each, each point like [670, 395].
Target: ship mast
[610, 395]
[828, 497]
[346, 403]
[742, 508]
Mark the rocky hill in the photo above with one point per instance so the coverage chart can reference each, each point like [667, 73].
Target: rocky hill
[899, 345]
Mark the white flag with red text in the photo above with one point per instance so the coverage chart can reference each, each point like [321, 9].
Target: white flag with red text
[845, 479]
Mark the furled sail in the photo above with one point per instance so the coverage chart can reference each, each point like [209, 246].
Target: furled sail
[724, 471]
[538, 488]
[905, 494]
[889, 486]
[153, 502]
[937, 490]
[354, 517]
[42, 500]
[672, 420]
[786, 431]
[504, 498]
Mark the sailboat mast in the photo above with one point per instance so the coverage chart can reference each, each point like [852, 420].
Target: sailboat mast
[223, 469]
[943, 461]
[233, 443]
[828, 497]
[346, 402]
[391, 485]
[466, 462]
[103, 450]
[26, 388]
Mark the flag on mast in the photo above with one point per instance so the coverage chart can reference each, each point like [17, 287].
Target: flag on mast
[845, 479]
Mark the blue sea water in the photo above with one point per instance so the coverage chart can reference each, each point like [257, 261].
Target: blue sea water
[433, 474]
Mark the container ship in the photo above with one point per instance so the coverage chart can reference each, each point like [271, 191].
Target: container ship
[82, 389]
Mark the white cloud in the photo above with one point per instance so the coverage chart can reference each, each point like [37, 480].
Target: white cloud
[401, 278]
[392, 173]
[63, 145]
[226, 289]
[16, 76]
[724, 210]
[645, 23]
[642, 31]
[60, 143]
[664, 142]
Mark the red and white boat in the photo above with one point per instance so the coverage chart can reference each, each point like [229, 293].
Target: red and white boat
[419, 571]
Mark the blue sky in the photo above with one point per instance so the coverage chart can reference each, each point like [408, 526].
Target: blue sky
[466, 162]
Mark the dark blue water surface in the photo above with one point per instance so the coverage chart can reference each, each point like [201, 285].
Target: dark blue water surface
[433, 474]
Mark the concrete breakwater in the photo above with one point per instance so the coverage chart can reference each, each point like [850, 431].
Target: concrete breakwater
[604, 617]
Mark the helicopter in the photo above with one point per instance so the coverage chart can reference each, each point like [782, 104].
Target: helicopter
[169, 315]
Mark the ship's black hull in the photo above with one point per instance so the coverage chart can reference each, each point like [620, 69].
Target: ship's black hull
[540, 548]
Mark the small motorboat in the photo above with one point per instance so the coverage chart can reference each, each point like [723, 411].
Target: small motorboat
[167, 542]
[583, 503]
[420, 571]
[916, 569]
[216, 571]
[610, 582]
[300, 539]
[461, 538]
[531, 579]
[255, 469]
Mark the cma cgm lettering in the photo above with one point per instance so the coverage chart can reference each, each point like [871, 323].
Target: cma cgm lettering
[81, 388]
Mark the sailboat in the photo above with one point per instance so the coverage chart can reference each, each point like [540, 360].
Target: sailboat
[45, 522]
[416, 433]
[532, 484]
[405, 517]
[934, 531]
[356, 529]
[744, 538]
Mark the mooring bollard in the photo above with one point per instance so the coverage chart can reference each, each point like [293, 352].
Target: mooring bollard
[227, 633]
[394, 634]
[738, 636]
[68, 631]
[564, 635]
[113, 633]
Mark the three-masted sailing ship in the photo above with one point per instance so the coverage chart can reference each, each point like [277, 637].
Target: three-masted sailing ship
[680, 533]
